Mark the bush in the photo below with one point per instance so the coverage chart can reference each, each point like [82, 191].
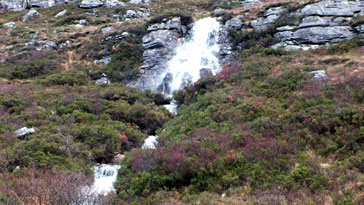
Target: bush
[66, 79]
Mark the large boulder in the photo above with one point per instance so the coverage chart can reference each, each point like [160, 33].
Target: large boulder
[114, 3]
[321, 35]
[14, 5]
[41, 3]
[89, 4]
[32, 14]
[10, 25]
[23, 132]
[174, 23]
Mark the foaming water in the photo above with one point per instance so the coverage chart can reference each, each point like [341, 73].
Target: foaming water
[196, 57]
[105, 177]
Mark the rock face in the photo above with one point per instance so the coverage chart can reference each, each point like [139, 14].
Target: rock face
[132, 14]
[324, 22]
[32, 14]
[23, 132]
[159, 47]
[18, 5]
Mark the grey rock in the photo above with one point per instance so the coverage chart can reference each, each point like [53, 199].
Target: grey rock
[251, 2]
[312, 21]
[332, 8]
[23, 132]
[234, 23]
[131, 14]
[103, 80]
[341, 20]
[145, 2]
[10, 25]
[291, 46]
[219, 12]
[41, 3]
[159, 38]
[277, 11]
[319, 75]
[321, 35]
[174, 23]
[14, 5]
[107, 30]
[62, 13]
[286, 28]
[114, 3]
[263, 23]
[89, 4]
[32, 14]
[83, 22]
[360, 28]
[49, 45]
[205, 72]
[105, 60]
[284, 35]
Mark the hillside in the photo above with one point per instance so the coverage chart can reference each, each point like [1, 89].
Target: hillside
[275, 115]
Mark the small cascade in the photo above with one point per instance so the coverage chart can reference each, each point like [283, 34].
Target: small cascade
[194, 59]
[150, 142]
[105, 176]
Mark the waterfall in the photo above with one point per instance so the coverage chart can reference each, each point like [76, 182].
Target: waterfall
[196, 58]
[105, 176]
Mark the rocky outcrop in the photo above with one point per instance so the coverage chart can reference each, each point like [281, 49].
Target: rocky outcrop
[159, 47]
[320, 23]
[132, 14]
[32, 14]
[18, 5]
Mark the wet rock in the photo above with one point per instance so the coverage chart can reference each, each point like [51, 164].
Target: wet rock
[158, 39]
[164, 87]
[32, 14]
[114, 3]
[61, 14]
[321, 35]
[311, 21]
[89, 4]
[10, 25]
[205, 72]
[319, 75]
[105, 60]
[23, 132]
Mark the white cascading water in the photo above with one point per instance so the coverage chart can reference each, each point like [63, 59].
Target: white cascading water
[199, 52]
[105, 176]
